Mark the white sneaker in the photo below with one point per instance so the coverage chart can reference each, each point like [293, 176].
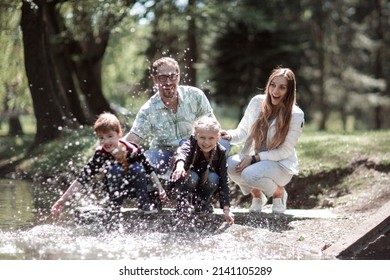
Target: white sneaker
[258, 203]
[279, 205]
[148, 209]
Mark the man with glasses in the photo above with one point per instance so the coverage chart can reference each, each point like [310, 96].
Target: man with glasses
[167, 118]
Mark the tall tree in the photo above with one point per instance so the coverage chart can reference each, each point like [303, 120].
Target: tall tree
[191, 54]
[40, 73]
[174, 33]
[254, 39]
[319, 36]
[63, 54]
[380, 25]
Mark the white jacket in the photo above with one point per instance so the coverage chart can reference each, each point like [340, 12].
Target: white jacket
[285, 154]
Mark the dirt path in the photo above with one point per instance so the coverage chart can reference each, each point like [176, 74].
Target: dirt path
[311, 236]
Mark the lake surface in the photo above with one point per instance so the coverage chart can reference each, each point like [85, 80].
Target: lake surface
[28, 232]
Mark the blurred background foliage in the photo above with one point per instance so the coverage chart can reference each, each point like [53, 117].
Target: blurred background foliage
[64, 62]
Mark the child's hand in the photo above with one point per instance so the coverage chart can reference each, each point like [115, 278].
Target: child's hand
[162, 194]
[229, 217]
[156, 183]
[57, 208]
[178, 173]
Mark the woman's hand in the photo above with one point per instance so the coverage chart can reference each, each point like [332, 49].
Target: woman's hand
[226, 135]
[245, 162]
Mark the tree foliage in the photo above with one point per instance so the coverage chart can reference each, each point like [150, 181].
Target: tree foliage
[80, 56]
[253, 41]
[64, 43]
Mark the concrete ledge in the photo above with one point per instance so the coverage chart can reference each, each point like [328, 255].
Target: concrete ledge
[292, 213]
[169, 220]
[353, 245]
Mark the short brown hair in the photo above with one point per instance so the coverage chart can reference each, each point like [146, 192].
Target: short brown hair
[164, 61]
[107, 122]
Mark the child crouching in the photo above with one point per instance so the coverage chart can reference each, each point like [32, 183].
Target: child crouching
[125, 169]
[201, 170]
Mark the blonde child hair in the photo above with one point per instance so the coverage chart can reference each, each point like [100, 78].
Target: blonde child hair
[207, 123]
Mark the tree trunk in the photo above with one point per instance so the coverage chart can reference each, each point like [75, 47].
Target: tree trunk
[320, 48]
[378, 66]
[89, 76]
[191, 56]
[47, 110]
[15, 127]
[88, 68]
[63, 65]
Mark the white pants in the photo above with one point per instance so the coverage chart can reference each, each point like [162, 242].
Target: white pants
[263, 175]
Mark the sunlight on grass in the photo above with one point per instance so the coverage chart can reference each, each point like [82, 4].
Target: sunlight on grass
[325, 151]
[68, 154]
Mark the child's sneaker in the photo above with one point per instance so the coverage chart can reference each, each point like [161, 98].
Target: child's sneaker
[155, 199]
[148, 209]
[258, 203]
[182, 206]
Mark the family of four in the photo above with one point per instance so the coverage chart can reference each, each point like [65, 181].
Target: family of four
[189, 152]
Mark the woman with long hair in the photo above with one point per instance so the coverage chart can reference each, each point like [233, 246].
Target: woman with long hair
[270, 128]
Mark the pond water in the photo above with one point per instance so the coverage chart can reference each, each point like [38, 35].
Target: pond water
[27, 232]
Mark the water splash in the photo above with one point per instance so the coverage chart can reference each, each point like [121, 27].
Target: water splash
[28, 232]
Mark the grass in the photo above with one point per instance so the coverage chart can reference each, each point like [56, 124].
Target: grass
[68, 154]
[323, 151]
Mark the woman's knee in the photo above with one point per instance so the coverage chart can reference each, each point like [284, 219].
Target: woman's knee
[248, 176]
[232, 162]
[226, 144]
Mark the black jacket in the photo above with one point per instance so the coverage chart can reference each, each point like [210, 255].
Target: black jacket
[186, 153]
[102, 161]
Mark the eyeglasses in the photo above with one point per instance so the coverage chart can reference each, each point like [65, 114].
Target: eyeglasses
[164, 78]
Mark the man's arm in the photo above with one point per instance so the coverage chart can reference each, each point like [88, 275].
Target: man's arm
[131, 137]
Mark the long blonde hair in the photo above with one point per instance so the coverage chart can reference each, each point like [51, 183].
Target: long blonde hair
[282, 112]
